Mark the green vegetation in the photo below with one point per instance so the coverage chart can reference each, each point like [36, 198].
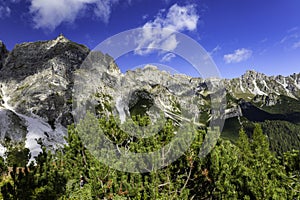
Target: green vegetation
[286, 105]
[283, 136]
[231, 129]
[16, 154]
[244, 170]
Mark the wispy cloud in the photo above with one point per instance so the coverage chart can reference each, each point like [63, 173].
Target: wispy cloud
[289, 37]
[238, 55]
[291, 40]
[296, 28]
[215, 50]
[264, 40]
[159, 33]
[50, 14]
[4, 11]
[168, 57]
[296, 45]
[145, 16]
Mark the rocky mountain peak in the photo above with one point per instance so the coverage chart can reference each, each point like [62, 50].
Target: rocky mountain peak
[252, 74]
[60, 39]
[29, 58]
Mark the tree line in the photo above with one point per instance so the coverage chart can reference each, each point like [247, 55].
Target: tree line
[245, 170]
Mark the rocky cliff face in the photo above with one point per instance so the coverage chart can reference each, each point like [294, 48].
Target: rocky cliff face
[46, 85]
[3, 54]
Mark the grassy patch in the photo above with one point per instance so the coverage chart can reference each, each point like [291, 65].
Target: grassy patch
[287, 105]
[231, 129]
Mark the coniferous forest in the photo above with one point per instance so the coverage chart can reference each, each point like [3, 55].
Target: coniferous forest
[250, 168]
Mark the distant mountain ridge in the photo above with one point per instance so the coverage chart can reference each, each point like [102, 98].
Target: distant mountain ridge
[38, 81]
[254, 83]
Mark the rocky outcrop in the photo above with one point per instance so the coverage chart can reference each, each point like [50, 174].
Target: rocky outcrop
[3, 54]
[12, 127]
[233, 112]
[267, 100]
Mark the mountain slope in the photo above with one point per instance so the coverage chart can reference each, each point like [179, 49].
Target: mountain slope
[46, 85]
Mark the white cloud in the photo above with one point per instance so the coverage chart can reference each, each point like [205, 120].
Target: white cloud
[289, 37]
[159, 33]
[50, 14]
[4, 12]
[296, 45]
[168, 57]
[239, 55]
[215, 50]
[264, 40]
[293, 29]
[291, 41]
[145, 16]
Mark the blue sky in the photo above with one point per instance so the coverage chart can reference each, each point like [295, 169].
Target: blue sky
[263, 35]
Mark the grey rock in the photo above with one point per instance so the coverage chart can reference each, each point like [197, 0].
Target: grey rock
[12, 127]
[3, 54]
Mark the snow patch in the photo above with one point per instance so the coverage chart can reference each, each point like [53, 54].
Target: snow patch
[241, 86]
[37, 128]
[265, 84]
[297, 84]
[2, 150]
[285, 86]
[256, 90]
[5, 99]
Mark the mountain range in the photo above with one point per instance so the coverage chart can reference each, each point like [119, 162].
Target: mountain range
[47, 85]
